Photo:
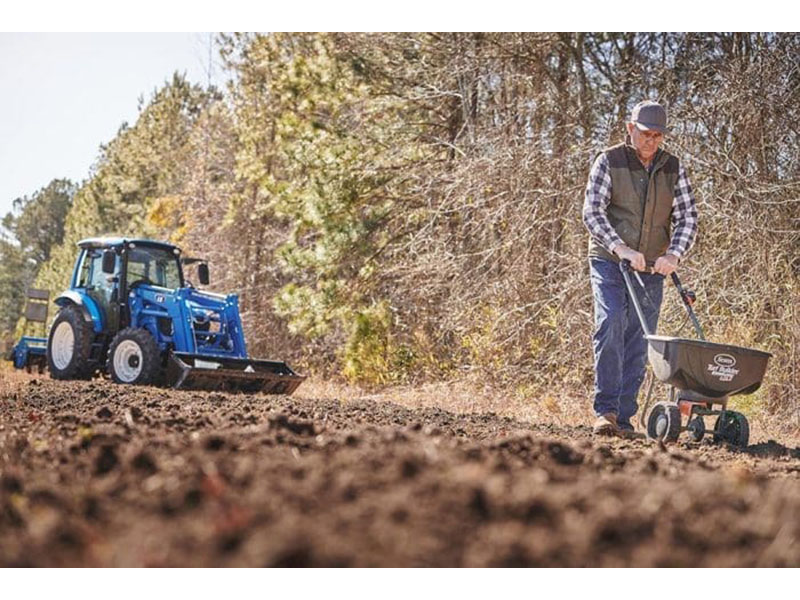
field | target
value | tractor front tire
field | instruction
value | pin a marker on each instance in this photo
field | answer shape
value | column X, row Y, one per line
column 134, row 358
column 69, row 345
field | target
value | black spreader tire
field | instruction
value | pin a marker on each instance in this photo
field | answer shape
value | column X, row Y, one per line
column 734, row 429
column 664, row 422
column 72, row 364
column 131, row 349
column 696, row 429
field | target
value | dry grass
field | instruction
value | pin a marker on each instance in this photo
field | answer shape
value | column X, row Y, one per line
column 463, row 397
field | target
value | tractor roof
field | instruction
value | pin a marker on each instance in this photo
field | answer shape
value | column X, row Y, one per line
column 113, row 242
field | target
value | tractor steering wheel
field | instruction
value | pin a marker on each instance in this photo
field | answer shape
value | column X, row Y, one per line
column 143, row 280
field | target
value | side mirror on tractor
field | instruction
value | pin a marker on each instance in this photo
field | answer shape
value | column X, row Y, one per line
column 109, row 261
column 202, row 273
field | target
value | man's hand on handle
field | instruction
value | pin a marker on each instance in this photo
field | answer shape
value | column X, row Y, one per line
column 636, row 258
column 666, row 264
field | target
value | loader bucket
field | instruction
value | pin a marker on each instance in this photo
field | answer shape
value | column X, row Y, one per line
column 203, row 372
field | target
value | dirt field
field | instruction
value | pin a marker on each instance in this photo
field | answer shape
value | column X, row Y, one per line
column 94, row 474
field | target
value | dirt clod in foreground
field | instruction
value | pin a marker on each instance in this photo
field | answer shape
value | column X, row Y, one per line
column 94, row 474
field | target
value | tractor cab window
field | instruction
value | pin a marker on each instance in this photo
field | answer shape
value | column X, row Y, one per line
column 83, row 274
column 91, row 272
column 97, row 278
column 154, row 266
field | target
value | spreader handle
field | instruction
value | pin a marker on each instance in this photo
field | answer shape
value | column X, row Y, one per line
column 688, row 300
column 625, row 267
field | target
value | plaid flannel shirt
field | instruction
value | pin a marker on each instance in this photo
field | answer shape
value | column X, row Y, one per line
column 598, row 196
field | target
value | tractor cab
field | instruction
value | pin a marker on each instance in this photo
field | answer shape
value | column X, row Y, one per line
column 108, row 269
column 151, row 265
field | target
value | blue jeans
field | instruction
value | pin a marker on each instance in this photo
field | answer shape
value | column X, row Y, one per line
column 620, row 350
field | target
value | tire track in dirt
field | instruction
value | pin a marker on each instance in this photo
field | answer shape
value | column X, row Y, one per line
column 94, row 474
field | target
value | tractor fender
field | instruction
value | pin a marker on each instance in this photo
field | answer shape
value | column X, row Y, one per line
column 89, row 309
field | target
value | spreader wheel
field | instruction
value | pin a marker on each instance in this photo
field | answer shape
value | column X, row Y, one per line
column 664, row 422
column 696, row 429
column 732, row 427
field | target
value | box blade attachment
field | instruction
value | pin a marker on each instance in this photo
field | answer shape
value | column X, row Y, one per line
column 203, row 372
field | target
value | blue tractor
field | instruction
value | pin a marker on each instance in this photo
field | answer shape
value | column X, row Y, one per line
column 130, row 313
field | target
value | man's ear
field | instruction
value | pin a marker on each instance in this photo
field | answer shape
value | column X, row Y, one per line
column 629, row 127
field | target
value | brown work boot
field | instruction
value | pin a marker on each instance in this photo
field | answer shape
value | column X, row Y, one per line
column 605, row 425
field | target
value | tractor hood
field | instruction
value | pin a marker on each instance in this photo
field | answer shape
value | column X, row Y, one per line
column 191, row 321
column 207, row 344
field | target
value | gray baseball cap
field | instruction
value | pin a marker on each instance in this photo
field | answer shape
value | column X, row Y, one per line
column 649, row 115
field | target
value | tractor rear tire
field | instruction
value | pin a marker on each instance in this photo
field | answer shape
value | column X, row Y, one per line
column 69, row 345
column 664, row 422
column 134, row 357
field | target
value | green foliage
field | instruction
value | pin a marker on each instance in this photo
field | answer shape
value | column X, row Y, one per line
column 15, row 274
column 312, row 156
column 368, row 353
column 312, row 309
column 36, row 226
column 141, row 166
